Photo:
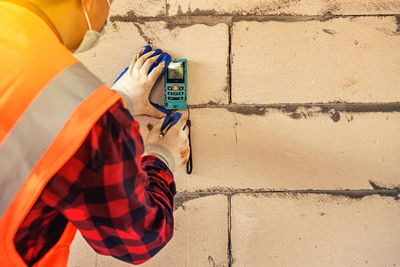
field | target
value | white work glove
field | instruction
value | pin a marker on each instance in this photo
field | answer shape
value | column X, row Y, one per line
column 135, row 85
column 173, row 147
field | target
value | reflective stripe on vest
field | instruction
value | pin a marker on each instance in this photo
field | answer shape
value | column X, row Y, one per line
column 39, row 125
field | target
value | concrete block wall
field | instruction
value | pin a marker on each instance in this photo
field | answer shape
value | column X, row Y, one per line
column 295, row 107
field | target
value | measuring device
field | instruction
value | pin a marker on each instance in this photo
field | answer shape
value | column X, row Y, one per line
column 175, row 98
column 175, row 89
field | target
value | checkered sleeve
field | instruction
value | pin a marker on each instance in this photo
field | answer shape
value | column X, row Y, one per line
column 121, row 202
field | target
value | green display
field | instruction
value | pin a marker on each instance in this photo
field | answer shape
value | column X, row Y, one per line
column 176, row 71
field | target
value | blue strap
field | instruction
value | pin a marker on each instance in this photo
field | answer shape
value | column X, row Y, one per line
column 164, row 57
column 173, row 117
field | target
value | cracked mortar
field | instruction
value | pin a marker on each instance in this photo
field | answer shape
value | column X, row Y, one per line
column 147, row 39
column 183, row 197
column 208, row 18
column 278, row 8
column 304, row 111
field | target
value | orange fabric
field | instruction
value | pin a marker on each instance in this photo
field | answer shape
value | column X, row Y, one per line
column 22, row 63
column 58, row 256
column 23, row 81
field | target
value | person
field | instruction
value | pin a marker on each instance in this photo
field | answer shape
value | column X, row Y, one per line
column 71, row 154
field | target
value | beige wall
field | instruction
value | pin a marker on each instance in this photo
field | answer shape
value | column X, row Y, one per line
column 295, row 107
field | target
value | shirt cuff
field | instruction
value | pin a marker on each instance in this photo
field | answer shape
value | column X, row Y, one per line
column 162, row 153
column 127, row 100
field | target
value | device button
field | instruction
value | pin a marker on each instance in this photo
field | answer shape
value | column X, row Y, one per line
column 175, row 98
column 180, row 93
column 169, row 87
column 175, row 87
column 169, row 93
column 181, row 88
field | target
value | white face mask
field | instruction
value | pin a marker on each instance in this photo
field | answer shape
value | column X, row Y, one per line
column 92, row 38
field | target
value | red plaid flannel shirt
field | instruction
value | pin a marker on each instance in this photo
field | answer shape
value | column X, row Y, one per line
column 122, row 203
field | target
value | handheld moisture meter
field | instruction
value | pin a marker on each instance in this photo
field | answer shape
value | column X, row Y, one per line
column 175, row 92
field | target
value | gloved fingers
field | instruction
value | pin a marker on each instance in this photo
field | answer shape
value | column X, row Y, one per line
column 180, row 125
column 165, row 60
column 185, row 153
column 157, row 127
column 145, row 49
column 185, row 131
column 149, row 62
column 186, row 143
column 159, row 59
column 153, row 76
column 141, row 51
column 141, row 60
column 156, row 52
column 133, row 63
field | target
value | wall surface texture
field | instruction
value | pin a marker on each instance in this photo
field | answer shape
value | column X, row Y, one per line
column 295, row 107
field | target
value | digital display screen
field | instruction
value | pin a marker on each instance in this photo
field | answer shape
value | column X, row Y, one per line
column 176, row 72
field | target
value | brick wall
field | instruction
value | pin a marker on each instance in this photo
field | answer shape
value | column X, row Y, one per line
column 296, row 128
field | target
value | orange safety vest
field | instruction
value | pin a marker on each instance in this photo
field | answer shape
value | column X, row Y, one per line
column 49, row 102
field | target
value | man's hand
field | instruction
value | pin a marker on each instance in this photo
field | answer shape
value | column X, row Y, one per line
column 173, row 147
column 135, row 85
